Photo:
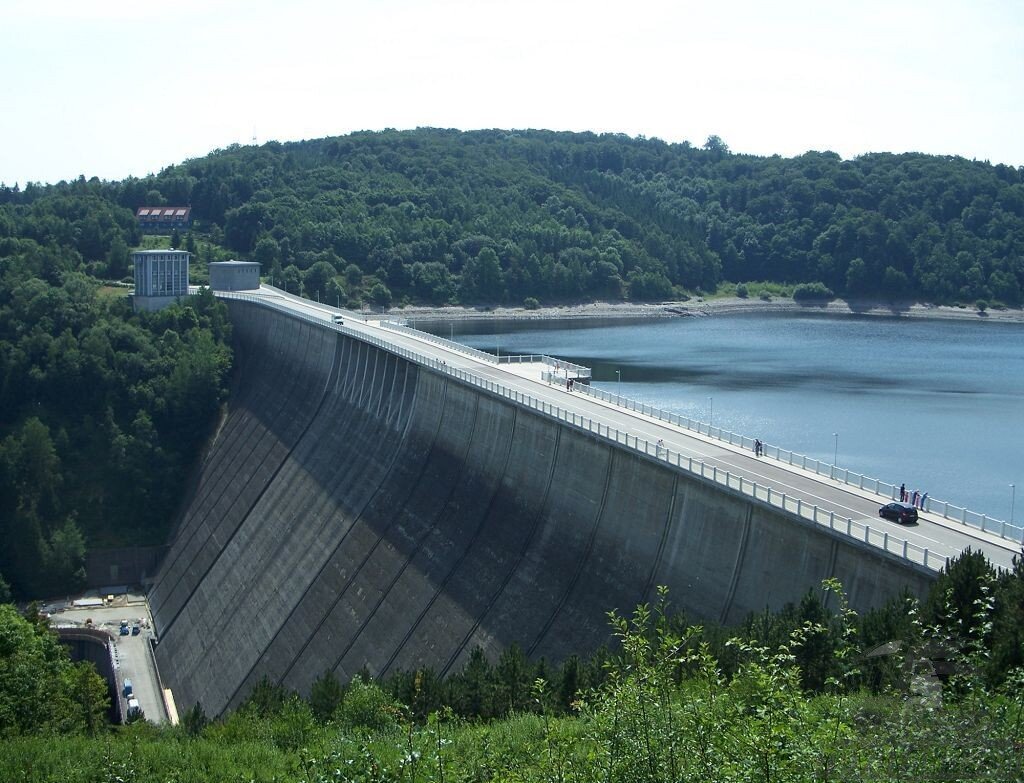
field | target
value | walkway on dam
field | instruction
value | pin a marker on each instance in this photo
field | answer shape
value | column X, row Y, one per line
column 942, row 537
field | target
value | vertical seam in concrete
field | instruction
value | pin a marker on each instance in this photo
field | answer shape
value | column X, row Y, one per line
column 362, row 386
column 740, row 553
column 515, row 566
column 391, row 372
column 664, row 539
column 222, row 548
column 465, row 552
column 583, row 559
column 380, row 367
column 329, row 559
column 826, row 597
column 412, row 555
column 312, row 582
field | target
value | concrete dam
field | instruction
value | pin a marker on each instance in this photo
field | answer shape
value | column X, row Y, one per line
column 358, row 508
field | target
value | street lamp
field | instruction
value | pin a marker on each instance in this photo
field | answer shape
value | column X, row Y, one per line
column 835, row 454
column 1013, row 497
column 618, row 384
column 711, row 413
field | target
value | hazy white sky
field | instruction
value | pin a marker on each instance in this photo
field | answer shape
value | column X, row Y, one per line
column 112, row 88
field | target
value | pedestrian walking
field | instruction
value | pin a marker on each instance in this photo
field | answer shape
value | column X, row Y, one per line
column 903, row 493
column 658, row 447
column 916, row 496
column 924, row 497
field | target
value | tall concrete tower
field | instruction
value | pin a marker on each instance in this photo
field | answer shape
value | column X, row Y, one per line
column 161, row 277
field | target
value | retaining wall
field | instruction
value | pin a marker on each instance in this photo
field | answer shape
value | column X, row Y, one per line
column 360, row 510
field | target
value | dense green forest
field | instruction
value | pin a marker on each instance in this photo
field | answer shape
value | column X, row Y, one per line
column 104, row 413
column 914, row 691
column 99, row 401
column 437, row 216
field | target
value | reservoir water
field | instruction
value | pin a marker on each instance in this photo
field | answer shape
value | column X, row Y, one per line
column 936, row 404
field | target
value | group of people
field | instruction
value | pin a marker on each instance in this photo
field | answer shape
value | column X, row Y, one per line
column 915, row 498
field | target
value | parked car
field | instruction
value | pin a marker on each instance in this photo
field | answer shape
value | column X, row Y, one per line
column 135, row 630
column 900, row 512
column 129, row 692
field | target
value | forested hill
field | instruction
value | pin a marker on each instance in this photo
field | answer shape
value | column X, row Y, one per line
column 487, row 216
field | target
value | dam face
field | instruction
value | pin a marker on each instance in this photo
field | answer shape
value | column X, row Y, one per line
column 358, row 509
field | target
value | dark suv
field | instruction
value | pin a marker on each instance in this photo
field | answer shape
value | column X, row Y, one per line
column 901, row 512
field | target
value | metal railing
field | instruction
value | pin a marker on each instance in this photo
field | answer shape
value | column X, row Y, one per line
column 561, row 368
column 963, row 516
column 398, row 326
column 857, row 532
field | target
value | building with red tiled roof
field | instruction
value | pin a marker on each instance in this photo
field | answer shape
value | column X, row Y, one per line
column 163, row 219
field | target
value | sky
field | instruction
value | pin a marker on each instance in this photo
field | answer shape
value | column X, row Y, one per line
column 114, row 88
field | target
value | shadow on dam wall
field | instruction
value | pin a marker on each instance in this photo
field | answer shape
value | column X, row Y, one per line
column 360, row 510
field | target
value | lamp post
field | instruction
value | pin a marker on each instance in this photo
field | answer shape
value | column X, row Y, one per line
column 618, row 384
column 835, row 454
column 1013, row 498
column 711, row 413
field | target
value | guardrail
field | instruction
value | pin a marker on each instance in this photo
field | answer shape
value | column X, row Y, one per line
column 567, row 369
column 963, row 516
column 858, row 532
column 396, row 326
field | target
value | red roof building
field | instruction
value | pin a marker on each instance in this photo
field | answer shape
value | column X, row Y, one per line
column 163, row 218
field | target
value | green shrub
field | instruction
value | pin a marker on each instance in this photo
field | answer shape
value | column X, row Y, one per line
column 741, row 291
column 531, row 303
column 982, row 305
column 367, row 706
column 812, row 292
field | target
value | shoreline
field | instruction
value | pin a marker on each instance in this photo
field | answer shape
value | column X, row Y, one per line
column 700, row 308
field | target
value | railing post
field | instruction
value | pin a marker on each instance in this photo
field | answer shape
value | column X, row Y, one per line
column 885, row 540
column 867, row 534
column 926, row 557
column 904, row 549
column 849, row 527
column 799, row 506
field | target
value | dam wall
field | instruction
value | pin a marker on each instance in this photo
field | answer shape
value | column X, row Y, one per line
column 360, row 509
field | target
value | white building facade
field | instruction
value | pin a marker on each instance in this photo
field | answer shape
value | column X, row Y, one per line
column 161, row 277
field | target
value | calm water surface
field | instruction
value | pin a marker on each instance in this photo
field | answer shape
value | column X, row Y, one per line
column 936, row 404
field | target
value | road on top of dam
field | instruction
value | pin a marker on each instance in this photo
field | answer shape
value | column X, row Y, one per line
column 942, row 537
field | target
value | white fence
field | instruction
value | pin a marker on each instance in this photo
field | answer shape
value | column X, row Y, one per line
column 940, row 508
column 762, row 494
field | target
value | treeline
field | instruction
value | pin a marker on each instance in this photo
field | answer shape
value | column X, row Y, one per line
column 929, row 690
column 104, row 409
column 438, row 216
